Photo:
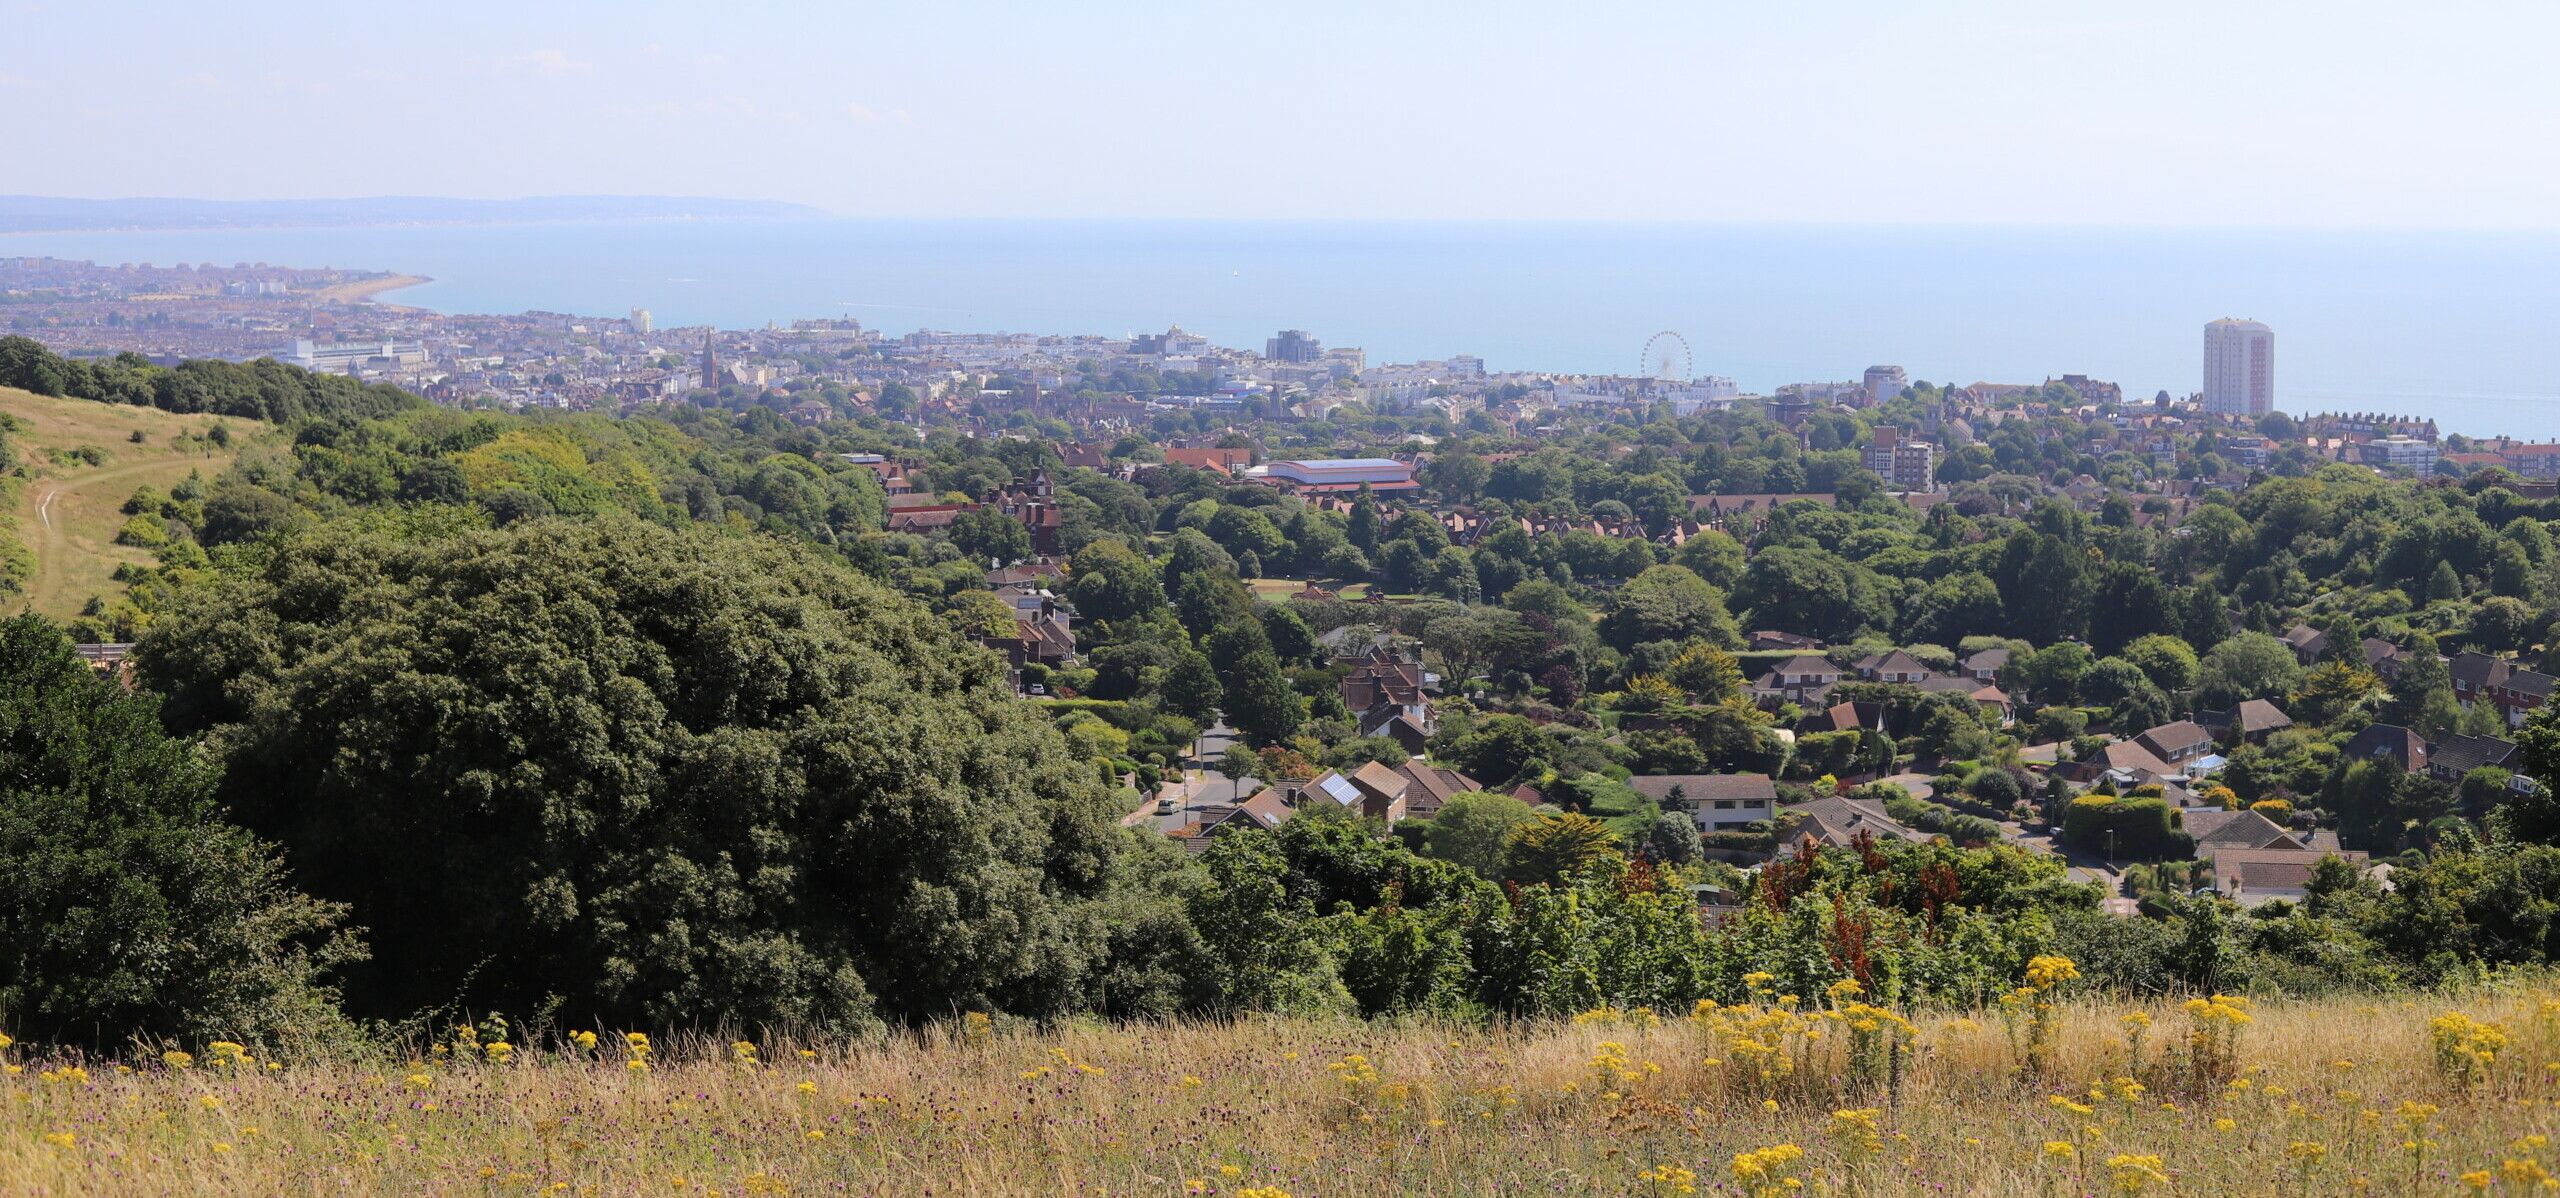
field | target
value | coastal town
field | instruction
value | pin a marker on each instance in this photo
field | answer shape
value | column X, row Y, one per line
column 1474, row 487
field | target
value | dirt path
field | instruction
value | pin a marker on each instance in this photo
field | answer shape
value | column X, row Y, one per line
column 54, row 542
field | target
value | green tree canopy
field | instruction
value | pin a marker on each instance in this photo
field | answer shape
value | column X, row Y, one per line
column 667, row 777
column 130, row 906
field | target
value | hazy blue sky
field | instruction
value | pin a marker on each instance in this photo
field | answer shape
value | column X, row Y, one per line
column 2231, row 111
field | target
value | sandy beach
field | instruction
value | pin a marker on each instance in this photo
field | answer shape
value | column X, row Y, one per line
column 365, row 291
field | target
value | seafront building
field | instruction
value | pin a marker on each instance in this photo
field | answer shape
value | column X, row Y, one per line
column 2239, row 368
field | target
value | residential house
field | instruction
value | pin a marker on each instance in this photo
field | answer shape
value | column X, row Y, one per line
column 1993, row 700
column 2177, row 743
column 1373, row 790
column 2215, row 829
column 1801, row 680
column 1894, row 666
column 1986, row 665
column 2307, row 643
column 2127, row 761
column 1719, row 802
column 2383, row 658
column 1428, row 787
column 2403, row 747
column 1775, row 642
column 2252, row 877
column 2253, row 721
column 1838, row 820
column 1845, row 717
column 2461, row 753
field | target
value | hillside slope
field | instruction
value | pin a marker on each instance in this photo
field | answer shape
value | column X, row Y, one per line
column 67, row 510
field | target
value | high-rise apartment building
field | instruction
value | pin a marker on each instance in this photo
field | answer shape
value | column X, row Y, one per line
column 2239, row 368
column 1293, row 345
column 642, row 323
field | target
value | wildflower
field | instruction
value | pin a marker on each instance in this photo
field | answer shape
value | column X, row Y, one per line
column 499, row 1051
column 2061, row 1150
column 222, row 1148
column 210, row 1103
column 816, row 1134
column 1670, row 1179
column 807, row 1087
column 1262, row 1192
column 1230, row 1171
column 744, row 1051
column 2465, row 1047
column 586, row 1041
column 2479, row 1180
column 1763, row 1173
column 1195, row 1185
column 60, row 1139
column 2225, row 1124
column 2045, row 973
column 419, row 1081
column 1189, row 1082
column 1857, row 1133
column 2527, row 1172
column 2134, row 1174
column 2306, row 1151
column 176, row 1060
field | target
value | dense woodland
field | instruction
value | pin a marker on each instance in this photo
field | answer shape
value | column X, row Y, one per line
column 644, row 722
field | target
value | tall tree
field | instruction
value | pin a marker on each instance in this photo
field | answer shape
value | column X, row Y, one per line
column 1260, row 702
column 1364, row 521
column 130, row 905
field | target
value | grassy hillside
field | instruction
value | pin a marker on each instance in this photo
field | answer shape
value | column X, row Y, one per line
column 2380, row 1096
column 66, row 511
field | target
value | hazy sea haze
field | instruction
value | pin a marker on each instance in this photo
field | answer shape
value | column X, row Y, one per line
column 2453, row 325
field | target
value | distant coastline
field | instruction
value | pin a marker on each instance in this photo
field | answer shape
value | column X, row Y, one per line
column 20, row 215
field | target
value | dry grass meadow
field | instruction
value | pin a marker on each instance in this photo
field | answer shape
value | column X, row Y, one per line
column 1822, row 1096
column 68, row 511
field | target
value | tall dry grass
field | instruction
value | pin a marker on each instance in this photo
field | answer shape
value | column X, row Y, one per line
column 1613, row 1104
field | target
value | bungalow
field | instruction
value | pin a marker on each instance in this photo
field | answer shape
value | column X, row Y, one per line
column 2216, row 830
column 1986, row 665
column 1837, row 820
column 1719, row 802
column 2252, row 878
column 2253, row 720
column 2128, row 760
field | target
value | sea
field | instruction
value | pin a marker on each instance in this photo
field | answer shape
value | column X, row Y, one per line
column 2457, row 326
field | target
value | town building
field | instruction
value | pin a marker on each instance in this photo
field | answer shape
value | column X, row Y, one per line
column 2239, row 368
column 1885, row 382
column 1905, row 465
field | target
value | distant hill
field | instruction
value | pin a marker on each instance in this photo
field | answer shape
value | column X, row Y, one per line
column 43, row 214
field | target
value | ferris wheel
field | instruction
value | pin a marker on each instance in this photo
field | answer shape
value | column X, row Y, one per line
column 1666, row 357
